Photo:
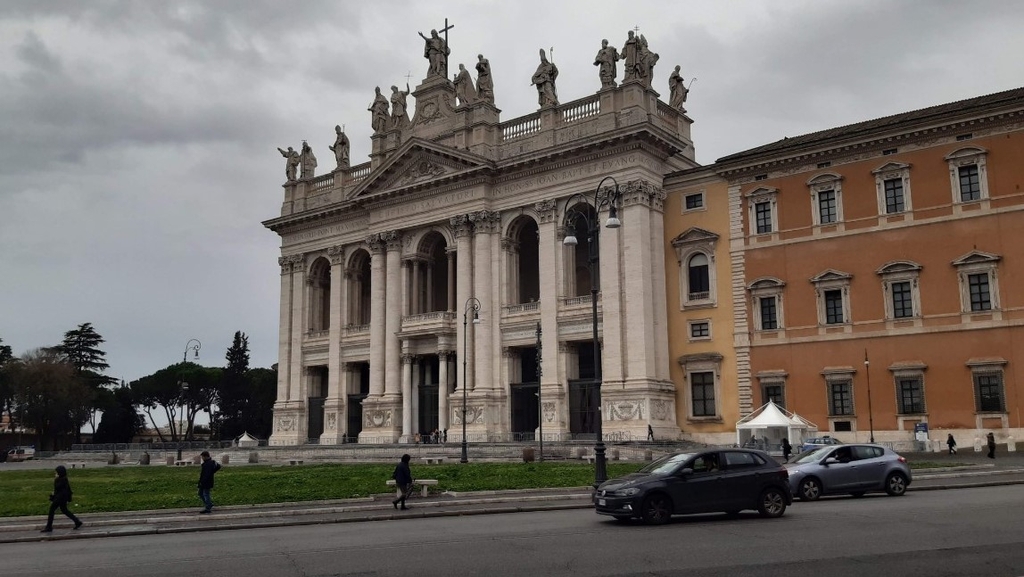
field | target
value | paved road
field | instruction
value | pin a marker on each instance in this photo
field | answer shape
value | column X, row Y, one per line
column 978, row 532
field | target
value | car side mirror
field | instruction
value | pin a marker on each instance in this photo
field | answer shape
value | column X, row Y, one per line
column 830, row 461
column 685, row 472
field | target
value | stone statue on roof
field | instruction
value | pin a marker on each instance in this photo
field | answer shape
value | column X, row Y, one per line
column 378, row 112
column 399, row 117
column 544, row 80
column 677, row 90
column 291, row 162
column 340, row 147
column 631, row 58
column 436, row 51
column 307, row 161
column 484, row 83
column 606, row 58
column 464, row 86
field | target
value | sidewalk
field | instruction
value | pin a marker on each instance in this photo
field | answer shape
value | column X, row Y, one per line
column 979, row 472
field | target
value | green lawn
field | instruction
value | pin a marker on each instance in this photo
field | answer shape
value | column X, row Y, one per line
column 160, row 487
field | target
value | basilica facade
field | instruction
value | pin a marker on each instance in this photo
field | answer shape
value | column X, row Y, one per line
column 432, row 288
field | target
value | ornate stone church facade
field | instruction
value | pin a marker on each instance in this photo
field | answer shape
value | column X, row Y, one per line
column 432, row 284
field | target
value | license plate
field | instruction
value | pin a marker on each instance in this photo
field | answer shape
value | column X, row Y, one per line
column 600, row 503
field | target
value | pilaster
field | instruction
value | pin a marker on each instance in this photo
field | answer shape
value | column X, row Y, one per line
column 378, row 306
column 406, row 397
column 443, row 388
column 464, row 286
column 393, row 313
column 335, row 401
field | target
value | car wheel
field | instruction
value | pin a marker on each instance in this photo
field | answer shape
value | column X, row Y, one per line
column 896, row 484
column 772, row 503
column 656, row 509
column 810, row 489
column 857, row 494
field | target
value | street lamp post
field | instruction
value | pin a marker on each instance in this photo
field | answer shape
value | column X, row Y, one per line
column 192, row 345
column 593, row 231
column 867, row 374
column 472, row 304
column 540, row 403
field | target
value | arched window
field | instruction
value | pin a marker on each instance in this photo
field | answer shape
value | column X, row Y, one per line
column 358, row 276
column 522, row 251
column 698, row 277
column 578, row 277
column 320, row 295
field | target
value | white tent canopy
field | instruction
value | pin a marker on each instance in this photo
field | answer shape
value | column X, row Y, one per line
column 768, row 425
column 247, row 440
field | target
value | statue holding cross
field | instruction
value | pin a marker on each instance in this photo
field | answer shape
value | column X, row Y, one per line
column 436, row 51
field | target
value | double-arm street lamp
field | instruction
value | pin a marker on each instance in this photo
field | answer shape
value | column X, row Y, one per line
column 472, row 304
column 871, row 416
column 192, row 345
column 612, row 199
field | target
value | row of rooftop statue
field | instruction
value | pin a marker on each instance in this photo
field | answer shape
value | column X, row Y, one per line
column 638, row 66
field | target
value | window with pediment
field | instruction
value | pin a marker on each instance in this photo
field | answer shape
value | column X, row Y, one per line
column 892, row 185
column 968, row 174
column 987, row 377
column 766, row 303
column 978, row 281
column 826, row 198
column 763, row 211
column 832, row 289
column 703, row 383
column 901, row 289
column 695, row 250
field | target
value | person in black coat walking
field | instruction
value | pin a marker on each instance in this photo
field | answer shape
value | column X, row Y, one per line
column 787, row 449
column 991, row 446
column 206, row 480
column 951, row 443
column 60, row 498
column 403, row 479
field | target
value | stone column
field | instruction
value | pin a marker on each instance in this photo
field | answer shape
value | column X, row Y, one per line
column 407, row 280
column 550, row 249
column 451, row 279
column 463, row 227
column 393, row 312
column 406, row 396
column 429, row 280
column 442, row 389
column 334, row 403
column 378, row 294
column 414, row 396
column 284, row 349
column 298, row 317
column 484, row 225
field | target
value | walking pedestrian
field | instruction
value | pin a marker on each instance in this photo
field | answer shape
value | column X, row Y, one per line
column 403, row 479
column 206, row 473
column 787, row 449
column 951, row 443
column 991, row 446
column 650, row 433
column 60, row 498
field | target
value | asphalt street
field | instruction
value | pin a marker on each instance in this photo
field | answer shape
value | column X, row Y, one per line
column 978, row 532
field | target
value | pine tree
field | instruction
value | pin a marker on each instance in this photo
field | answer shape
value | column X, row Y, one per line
column 81, row 349
column 6, row 388
column 233, row 395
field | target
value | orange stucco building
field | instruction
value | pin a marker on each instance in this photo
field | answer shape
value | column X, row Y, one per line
column 866, row 277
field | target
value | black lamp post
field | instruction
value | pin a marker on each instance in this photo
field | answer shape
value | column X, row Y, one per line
column 472, row 304
column 593, row 231
column 867, row 374
column 192, row 345
column 540, row 403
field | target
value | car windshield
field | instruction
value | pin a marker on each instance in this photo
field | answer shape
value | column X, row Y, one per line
column 667, row 464
column 812, row 455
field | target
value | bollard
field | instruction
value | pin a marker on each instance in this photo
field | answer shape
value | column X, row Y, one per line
column 254, row 457
column 169, row 461
column 144, row 459
column 528, row 455
column 225, row 459
column 1011, row 445
column 977, row 444
column 615, row 454
column 938, row 446
column 648, row 456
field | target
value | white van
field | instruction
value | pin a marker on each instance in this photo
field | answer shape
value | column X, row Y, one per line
column 20, row 454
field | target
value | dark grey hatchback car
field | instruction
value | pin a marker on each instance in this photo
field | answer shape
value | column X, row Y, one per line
column 709, row 481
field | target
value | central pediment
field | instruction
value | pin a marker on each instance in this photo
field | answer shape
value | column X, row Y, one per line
column 416, row 164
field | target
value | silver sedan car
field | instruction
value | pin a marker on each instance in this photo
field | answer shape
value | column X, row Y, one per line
column 850, row 469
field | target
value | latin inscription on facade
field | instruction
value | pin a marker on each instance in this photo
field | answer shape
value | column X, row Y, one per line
column 423, row 206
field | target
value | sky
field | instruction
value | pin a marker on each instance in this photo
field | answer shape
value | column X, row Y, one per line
column 138, row 139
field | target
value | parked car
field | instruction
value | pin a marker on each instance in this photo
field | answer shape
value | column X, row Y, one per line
column 853, row 469
column 718, row 480
column 20, row 454
column 816, row 442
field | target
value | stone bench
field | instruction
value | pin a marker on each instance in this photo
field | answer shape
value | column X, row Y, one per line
column 589, row 458
column 424, row 483
column 433, row 460
column 77, row 465
column 183, row 462
column 294, row 461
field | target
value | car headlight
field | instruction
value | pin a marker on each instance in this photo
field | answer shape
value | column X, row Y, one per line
column 627, row 492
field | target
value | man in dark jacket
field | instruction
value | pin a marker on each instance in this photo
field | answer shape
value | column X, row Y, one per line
column 403, row 479
column 60, row 498
column 206, row 480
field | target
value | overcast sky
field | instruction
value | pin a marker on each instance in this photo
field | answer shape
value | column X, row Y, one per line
column 139, row 137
